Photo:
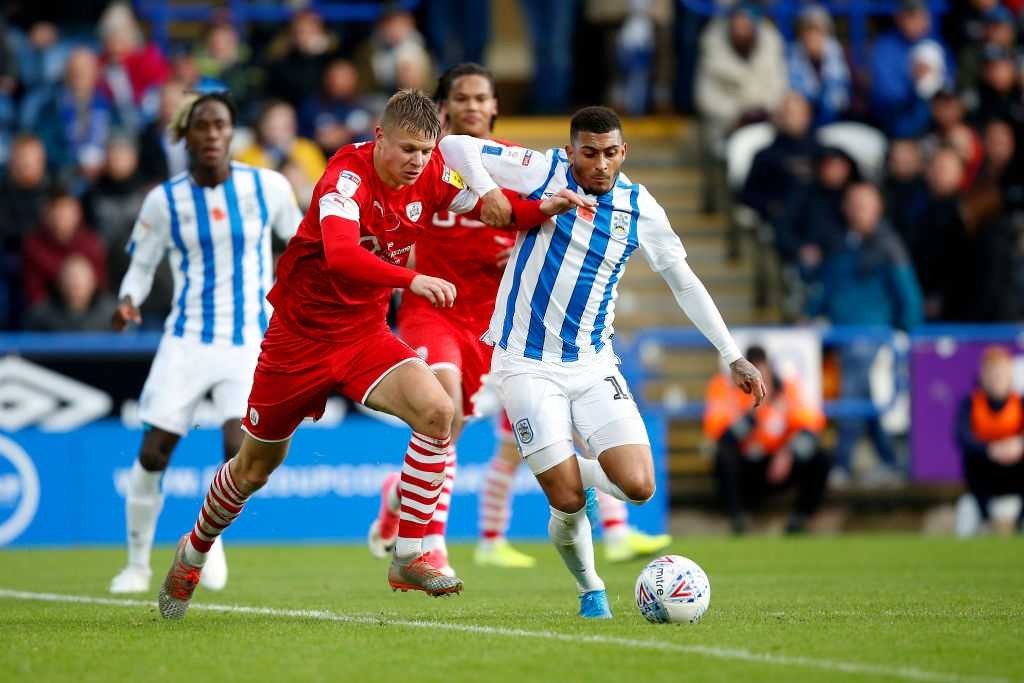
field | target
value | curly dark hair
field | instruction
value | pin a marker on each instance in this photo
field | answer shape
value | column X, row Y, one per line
column 595, row 119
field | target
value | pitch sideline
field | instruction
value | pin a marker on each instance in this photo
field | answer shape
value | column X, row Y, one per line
column 909, row 673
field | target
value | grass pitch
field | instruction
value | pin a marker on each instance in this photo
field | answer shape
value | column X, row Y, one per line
column 858, row 608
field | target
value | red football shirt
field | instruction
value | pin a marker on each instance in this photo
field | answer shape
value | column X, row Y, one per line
column 464, row 252
column 307, row 296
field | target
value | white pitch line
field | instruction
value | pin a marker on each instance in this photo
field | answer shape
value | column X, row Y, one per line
column 719, row 653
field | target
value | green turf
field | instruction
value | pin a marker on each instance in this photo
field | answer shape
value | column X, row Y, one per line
column 868, row 608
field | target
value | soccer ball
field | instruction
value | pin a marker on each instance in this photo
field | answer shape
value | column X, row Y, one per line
column 673, row 590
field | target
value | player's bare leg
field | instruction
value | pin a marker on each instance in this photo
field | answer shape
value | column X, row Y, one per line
column 412, row 393
column 232, row 486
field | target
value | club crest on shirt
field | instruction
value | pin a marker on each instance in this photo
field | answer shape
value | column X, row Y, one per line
column 254, row 417
column 524, row 431
column 620, row 225
column 348, row 183
column 413, row 210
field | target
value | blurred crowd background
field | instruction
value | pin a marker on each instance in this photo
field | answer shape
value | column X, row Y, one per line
column 86, row 90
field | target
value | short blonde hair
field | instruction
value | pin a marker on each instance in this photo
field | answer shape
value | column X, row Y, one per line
column 412, row 110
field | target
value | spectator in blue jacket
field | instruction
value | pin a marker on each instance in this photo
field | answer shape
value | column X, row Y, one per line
column 908, row 66
column 817, row 66
column 75, row 122
column 868, row 280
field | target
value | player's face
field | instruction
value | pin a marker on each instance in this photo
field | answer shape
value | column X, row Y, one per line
column 470, row 107
column 401, row 156
column 595, row 160
column 208, row 137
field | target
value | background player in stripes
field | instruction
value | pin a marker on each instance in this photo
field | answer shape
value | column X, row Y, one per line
column 329, row 332
column 553, row 365
column 214, row 223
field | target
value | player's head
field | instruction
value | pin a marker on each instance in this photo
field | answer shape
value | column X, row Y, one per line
column 996, row 375
column 406, row 137
column 206, row 121
column 467, row 96
column 596, row 149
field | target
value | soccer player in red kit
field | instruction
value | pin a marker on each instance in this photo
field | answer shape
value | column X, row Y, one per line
column 329, row 332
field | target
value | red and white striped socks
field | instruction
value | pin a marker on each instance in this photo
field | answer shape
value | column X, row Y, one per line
column 614, row 517
column 222, row 506
column 423, row 475
column 496, row 500
column 433, row 537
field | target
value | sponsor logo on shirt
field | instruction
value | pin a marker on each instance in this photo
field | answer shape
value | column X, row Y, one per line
column 526, row 157
column 491, row 149
column 348, row 183
column 413, row 210
column 620, row 225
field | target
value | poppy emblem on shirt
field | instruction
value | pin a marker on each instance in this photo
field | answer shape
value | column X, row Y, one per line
column 218, row 214
column 524, row 431
column 413, row 210
column 620, row 225
column 585, row 213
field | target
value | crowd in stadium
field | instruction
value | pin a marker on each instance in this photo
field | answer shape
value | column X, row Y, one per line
column 83, row 107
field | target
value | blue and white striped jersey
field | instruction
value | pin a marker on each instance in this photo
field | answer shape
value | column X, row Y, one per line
column 219, row 246
column 557, row 297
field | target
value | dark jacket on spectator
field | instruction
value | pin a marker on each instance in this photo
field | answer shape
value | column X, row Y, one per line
column 778, row 170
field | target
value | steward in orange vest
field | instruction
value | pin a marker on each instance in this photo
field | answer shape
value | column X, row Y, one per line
column 765, row 451
column 990, row 432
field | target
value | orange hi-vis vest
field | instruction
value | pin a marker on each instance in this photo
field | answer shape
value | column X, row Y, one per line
column 790, row 411
column 989, row 425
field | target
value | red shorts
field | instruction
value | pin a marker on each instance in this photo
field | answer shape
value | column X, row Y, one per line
column 442, row 341
column 295, row 375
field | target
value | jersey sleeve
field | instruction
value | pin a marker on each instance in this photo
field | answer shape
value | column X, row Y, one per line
column 659, row 244
column 151, row 233
column 284, row 213
column 344, row 198
column 462, row 199
column 514, row 168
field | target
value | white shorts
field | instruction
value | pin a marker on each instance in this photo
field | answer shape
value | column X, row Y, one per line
column 184, row 371
column 547, row 401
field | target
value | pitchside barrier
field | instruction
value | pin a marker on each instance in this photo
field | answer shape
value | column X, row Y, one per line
column 69, row 435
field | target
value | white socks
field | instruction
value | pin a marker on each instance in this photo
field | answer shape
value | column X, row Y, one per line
column 142, row 506
column 570, row 532
column 594, row 477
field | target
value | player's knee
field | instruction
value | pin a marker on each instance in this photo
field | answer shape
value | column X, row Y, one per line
column 436, row 418
column 567, row 500
column 639, row 488
column 154, row 458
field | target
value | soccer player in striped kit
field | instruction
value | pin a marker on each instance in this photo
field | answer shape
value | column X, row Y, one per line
column 553, row 365
column 449, row 341
column 329, row 332
column 214, row 223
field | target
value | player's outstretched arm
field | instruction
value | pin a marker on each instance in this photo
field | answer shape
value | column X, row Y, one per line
column 564, row 201
column 748, row 378
column 439, row 292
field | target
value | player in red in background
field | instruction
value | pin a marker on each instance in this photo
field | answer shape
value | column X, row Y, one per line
column 329, row 332
column 449, row 341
